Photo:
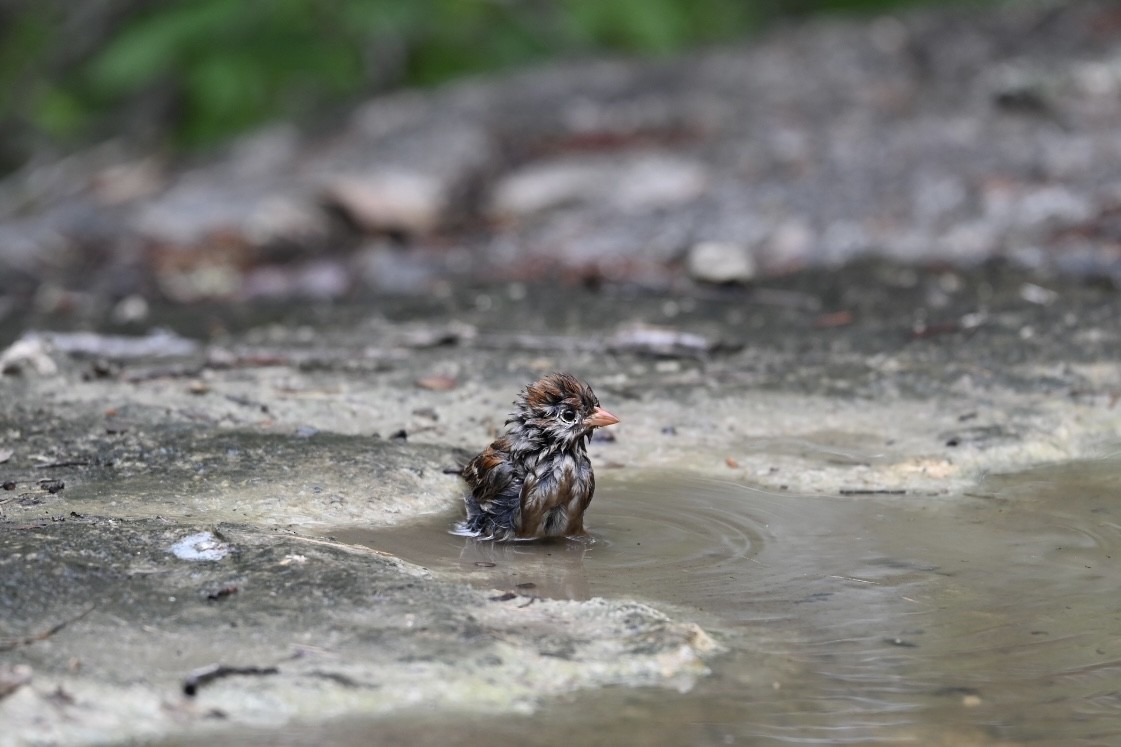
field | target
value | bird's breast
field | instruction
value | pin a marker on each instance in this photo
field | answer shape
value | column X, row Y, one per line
column 560, row 483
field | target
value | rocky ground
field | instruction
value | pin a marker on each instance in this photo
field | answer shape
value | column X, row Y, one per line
column 168, row 500
column 173, row 464
column 950, row 135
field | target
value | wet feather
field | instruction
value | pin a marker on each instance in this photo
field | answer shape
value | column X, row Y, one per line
column 537, row 481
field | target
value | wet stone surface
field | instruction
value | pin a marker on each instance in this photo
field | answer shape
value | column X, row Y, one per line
column 128, row 638
column 167, row 513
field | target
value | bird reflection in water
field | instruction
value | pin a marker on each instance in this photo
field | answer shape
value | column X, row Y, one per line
column 552, row 568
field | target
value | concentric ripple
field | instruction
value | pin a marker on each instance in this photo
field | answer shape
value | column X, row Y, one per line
column 643, row 536
column 985, row 619
column 651, row 538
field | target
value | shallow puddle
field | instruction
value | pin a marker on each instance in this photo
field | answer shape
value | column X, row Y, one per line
column 988, row 619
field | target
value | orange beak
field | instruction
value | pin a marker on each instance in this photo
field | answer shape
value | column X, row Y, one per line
column 599, row 418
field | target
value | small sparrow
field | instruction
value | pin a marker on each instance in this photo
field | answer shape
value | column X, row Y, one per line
column 537, row 481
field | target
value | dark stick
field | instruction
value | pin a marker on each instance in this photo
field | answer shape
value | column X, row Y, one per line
column 208, row 674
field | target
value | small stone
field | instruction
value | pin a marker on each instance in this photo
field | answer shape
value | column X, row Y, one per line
column 657, row 340
column 130, row 310
column 631, row 183
column 720, row 262
column 391, row 200
column 1037, row 294
column 29, row 353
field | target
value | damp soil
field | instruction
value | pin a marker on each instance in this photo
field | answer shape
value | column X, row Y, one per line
column 990, row 618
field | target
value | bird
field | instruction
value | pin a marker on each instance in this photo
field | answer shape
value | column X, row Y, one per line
column 536, row 481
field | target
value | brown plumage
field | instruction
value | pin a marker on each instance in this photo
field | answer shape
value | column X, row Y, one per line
column 537, row 481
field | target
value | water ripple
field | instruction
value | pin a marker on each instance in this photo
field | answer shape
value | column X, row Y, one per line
column 990, row 618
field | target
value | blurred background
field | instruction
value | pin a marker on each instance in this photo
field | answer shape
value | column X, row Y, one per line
column 191, row 73
column 234, row 150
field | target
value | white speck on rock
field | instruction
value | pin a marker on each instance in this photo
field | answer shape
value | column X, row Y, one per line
column 200, row 546
column 29, row 353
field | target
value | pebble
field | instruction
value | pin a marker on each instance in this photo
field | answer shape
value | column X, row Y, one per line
column 30, row 353
column 720, row 262
column 409, row 202
column 631, row 183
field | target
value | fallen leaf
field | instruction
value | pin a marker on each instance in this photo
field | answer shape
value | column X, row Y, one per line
column 835, row 319
column 437, row 383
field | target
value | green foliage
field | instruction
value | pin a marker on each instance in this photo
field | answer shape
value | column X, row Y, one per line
column 23, row 41
column 658, row 25
column 230, row 63
column 58, row 112
column 227, row 65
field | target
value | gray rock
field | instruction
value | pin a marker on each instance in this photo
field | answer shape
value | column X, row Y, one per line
column 411, row 180
column 720, row 262
column 305, row 629
column 630, row 183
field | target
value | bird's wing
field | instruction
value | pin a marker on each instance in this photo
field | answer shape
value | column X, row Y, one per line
column 496, row 487
column 489, row 474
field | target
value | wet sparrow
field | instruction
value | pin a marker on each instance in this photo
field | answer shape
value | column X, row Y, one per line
column 537, row 481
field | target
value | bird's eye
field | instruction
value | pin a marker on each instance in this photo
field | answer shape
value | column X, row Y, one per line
column 568, row 417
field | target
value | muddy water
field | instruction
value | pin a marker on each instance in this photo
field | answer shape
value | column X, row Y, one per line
column 992, row 618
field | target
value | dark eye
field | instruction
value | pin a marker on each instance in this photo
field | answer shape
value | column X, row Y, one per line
column 568, row 417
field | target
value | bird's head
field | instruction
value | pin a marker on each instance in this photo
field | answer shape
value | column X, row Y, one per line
column 561, row 409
